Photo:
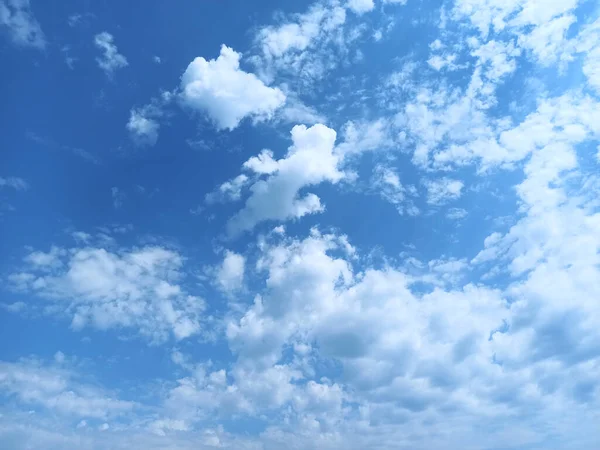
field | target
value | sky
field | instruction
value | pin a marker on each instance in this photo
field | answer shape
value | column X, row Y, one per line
column 321, row 224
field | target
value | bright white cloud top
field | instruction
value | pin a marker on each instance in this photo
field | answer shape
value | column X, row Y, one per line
column 226, row 93
column 376, row 225
column 309, row 161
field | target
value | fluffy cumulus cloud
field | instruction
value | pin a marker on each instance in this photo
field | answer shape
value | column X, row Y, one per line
column 18, row 21
column 311, row 160
column 137, row 289
column 144, row 122
column 227, row 94
column 110, row 60
column 458, row 356
column 361, row 6
column 143, row 129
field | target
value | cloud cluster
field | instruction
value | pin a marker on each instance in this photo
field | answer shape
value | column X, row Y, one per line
column 56, row 387
column 306, row 45
column 454, row 356
column 137, row 289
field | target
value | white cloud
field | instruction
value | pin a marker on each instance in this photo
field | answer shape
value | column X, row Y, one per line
column 454, row 357
column 361, row 6
column 591, row 68
column 447, row 61
column 453, row 125
column 452, row 128
column 500, row 14
column 309, row 161
column 58, row 390
column 539, row 25
column 226, row 93
column 22, row 27
column 548, row 41
column 386, row 183
column 436, row 45
column 59, row 357
column 389, row 182
column 296, row 112
column 443, row 190
column 263, row 163
column 16, row 183
column 437, row 116
column 306, row 45
column 228, row 191
column 78, row 19
column 456, row 213
column 549, row 135
column 407, row 356
column 162, row 426
column 230, row 275
column 552, row 254
column 497, row 58
column 46, row 261
column 302, row 32
column 129, row 288
column 111, row 59
column 143, row 124
column 144, row 130
column 364, row 320
column 588, row 43
column 362, row 136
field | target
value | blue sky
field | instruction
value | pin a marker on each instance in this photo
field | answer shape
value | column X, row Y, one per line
column 315, row 224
